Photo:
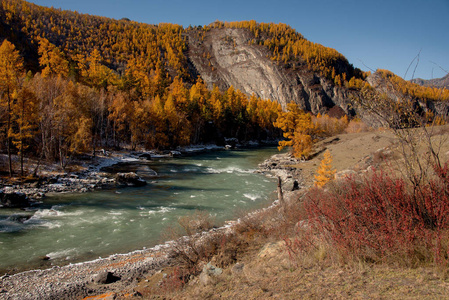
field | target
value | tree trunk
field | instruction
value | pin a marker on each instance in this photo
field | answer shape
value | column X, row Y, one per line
column 21, row 139
column 7, row 134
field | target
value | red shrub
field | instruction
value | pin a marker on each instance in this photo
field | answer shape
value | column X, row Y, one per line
column 379, row 217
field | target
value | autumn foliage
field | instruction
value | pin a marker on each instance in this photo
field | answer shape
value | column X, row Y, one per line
column 414, row 90
column 325, row 172
column 298, row 130
column 301, row 130
column 96, row 82
column 380, row 219
column 291, row 48
column 69, row 117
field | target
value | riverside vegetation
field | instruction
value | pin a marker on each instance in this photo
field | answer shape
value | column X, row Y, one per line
column 378, row 230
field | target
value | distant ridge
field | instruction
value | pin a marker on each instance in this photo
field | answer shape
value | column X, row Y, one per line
column 442, row 82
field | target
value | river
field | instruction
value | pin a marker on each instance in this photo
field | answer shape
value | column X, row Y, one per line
column 69, row 228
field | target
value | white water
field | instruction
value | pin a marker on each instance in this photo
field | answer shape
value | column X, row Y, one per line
column 69, row 228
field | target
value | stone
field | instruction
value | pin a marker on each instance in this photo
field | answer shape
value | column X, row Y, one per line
column 295, row 185
column 14, row 200
column 146, row 156
column 129, row 179
column 52, row 180
column 209, row 271
column 271, row 250
column 105, row 278
column 248, row 68
column 175, row 153
column 107, row 296
column 20, row 218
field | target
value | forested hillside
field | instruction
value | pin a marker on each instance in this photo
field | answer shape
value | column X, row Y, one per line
column 72, row 83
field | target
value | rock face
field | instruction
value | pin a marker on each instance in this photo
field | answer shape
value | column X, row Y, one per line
column 227, row 57
column 129, row 179
column 235, row 61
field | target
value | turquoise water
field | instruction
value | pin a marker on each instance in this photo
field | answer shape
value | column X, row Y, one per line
column 75, row 227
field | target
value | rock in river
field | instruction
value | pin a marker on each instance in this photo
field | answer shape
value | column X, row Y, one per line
column 129, row 179
column 14, row 200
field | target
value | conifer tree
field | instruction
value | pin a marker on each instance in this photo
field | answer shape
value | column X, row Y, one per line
column 25, row 117
column 325, row 172
column 52, row 60
column 298, row 129
column 11, row 69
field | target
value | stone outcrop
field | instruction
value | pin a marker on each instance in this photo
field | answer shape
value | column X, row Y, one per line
column 228, row 57
column 379, row 83
column 208, row 273
column 235, row 61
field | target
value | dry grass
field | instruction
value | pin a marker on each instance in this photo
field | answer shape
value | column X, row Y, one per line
column 270, row 273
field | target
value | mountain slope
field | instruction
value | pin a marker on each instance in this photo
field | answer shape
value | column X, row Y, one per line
column 272, row 61
column 264, row 59
column 234, row 61
column 442, row 82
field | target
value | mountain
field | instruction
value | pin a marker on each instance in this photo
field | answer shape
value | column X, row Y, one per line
column 442, row 82
column 236, row 61
column 271, row 61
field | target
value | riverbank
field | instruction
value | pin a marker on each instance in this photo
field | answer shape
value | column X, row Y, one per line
column 88, row 173
column 126, row 272
column 254, row 262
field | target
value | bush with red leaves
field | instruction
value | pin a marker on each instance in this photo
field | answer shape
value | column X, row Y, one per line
column 379, row 219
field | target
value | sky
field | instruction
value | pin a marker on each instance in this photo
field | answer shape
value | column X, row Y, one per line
column 407, row 37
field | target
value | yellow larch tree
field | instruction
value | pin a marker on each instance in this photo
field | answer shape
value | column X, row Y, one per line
column 298, row 129
column 11, row 72
column 25, row 118
column 325, row 172
column 52, row 60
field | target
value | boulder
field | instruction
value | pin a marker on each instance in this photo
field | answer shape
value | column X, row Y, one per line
column 174, row 153
column 129, row 179
column 146, row 156
column 295, row 185
column 105, row 278
column 19, row 218
column 14, row 200
column 209, row 271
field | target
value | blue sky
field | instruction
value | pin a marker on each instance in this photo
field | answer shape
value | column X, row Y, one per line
column 386, row 34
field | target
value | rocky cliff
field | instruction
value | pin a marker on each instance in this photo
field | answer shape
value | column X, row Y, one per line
column 226, row 57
